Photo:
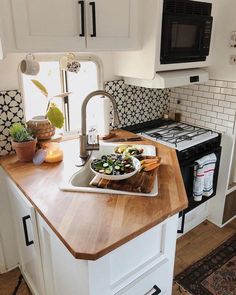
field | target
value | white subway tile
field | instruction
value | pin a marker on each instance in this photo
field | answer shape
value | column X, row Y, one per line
column 174, row 94
column 192, row 98
column 197, row 93
column 188, row 91
column 221, row 84
column 210, row 125
column 202, row 100
column 219, row 96
column 233, row 105
column 216, row 121
column 196, row 105
column 196, row 116
column 228, row 124
column 211, row 83
column 222, row 116
column 231, row 118
column 194, row 87
column 179, row 90
column 234, row 92
column 190, row 121
column 185, row 102
column 206, row 107
column 228, row 91
column 208, row 94
column 229, row 111
column 231, row 98
column 212, row 114
column 215, row 89
column 191, row 110
column 224, row 104
column 205, row 118
column 213, row 102
column 204, row 88
column 218, row 109
column 181, row 107
column 186, row 114
column 201, row 112
column 231, row 85
column 221, row 128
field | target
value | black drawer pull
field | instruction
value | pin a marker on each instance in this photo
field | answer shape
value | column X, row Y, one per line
column 154, row 289
column 93, row 4
column 82, row 19
column 27, row 242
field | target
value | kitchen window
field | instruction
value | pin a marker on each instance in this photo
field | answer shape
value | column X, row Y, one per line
column 56, row 81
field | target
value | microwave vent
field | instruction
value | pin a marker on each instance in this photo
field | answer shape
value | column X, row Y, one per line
column 187, row 7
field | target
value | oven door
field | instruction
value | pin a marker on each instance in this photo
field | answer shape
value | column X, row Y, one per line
column 185, row 38
column 187, row 169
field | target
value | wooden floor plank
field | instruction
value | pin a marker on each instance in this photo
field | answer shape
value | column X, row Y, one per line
column 199, row 242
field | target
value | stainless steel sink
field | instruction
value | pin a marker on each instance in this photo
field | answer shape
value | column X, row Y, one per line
column 78, row 179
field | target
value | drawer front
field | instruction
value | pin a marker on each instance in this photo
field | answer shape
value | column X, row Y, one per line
column 150, row 283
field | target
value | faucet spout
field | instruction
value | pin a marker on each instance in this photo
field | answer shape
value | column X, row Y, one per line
column 84, row 146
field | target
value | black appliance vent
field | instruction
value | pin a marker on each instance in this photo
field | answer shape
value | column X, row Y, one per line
column 187, row 7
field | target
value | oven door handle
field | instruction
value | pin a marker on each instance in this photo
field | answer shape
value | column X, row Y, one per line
column 181, row 230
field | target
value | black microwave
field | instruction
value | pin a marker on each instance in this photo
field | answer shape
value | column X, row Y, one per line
column 186, row 31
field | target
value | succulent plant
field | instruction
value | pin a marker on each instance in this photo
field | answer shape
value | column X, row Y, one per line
column 20, row 133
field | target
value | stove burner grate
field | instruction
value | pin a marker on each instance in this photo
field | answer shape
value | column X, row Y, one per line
column 177, row 133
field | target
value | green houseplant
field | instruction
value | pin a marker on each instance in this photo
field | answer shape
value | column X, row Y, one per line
column 44, row 126
column 23, row 142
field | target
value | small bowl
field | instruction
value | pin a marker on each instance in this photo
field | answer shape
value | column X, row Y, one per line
column 136, row 164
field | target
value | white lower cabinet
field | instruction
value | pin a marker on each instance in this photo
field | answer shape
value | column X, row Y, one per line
column 142, row 266
column 27, row 239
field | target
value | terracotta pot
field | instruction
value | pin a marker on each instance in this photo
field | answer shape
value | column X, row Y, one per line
column 24, row 150
column 41, row 127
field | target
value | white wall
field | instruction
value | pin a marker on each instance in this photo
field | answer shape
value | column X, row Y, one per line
column 225, row 23
column 9, row 67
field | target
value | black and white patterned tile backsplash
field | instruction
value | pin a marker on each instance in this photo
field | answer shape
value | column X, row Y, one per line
column 11, row 111
column 137, row 104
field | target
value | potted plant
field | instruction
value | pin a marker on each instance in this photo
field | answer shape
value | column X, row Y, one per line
column 23, row 142
column 44, row 126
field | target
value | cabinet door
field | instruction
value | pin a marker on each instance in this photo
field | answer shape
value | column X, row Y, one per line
column 48, row 25
column 27, row 240
column 112, row 24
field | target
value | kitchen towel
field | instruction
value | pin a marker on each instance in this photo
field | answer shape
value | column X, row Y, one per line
column 203, row 176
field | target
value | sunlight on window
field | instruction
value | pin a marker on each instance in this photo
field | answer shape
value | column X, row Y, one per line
column 80, row 84
column 34, row 101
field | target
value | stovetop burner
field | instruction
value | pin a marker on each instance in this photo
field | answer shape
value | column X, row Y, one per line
column 176, row 134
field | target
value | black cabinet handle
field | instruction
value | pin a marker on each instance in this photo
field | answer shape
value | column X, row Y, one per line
column 154, row 289
column 81, row 3
column 27, row 242
column 181, row 230
column 93, row 4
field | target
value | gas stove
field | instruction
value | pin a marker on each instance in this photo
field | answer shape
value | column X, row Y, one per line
column 191, row 144
column 175, row 134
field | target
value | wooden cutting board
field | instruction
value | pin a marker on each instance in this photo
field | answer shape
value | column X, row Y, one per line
column 142, row 182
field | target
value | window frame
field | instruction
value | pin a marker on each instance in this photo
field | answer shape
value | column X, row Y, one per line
column 56, row 58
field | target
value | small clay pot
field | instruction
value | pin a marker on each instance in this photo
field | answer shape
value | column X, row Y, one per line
column 41, row 127
column 24, row 150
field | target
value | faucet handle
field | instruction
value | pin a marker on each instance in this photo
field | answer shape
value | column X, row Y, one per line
column 92, row 146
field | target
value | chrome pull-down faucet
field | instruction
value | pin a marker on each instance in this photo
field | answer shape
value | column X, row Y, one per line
column 84, row 145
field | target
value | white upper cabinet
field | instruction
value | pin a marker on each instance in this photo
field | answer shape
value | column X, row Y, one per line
column 112, row 24
column 47, row 25
column 72, row 25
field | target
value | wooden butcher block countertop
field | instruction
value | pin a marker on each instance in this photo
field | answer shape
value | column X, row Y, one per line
column 90, row 224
